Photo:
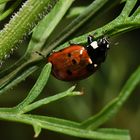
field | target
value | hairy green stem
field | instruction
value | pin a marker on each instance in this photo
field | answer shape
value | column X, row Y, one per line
column 21, row 23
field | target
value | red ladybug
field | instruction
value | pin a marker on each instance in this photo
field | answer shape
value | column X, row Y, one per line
column 77, row 62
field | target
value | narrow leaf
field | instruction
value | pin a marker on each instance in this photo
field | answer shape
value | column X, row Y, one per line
column 121, row 132
column 61, row 126
column 113, row 107
column 37, row 130
column 47, row 25
column 75, row 24
column 3, row 1
column 37, row 88
column 48, row 100
column 10, row 10
column 128, row 8
column 18, row 79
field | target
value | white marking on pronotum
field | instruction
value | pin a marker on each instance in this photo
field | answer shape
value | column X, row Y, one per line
column 107, row 46
column 95, row 65
column 94, row 44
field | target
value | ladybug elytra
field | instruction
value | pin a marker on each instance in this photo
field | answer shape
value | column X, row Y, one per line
column 77, row 62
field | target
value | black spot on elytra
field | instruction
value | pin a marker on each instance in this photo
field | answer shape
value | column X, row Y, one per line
column 69, row 54
column 61, row 50
column 90, row 67
column 69, row 72
column 74, row 61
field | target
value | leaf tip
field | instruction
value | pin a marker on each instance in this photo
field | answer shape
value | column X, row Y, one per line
column 37, row 130
column 78, row 93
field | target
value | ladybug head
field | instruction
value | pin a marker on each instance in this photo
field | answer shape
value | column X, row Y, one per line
column 97, row 50
column 103, row 44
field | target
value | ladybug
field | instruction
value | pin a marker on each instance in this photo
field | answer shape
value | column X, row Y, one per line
column 77, row 62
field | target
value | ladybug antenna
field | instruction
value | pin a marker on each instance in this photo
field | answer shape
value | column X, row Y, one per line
column 40, row 54
column 116, row 43
column 90, row 39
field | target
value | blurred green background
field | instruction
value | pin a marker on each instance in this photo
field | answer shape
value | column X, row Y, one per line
column 123, row 58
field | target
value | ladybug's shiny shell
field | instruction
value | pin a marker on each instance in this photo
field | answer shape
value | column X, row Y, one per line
column 77, row 62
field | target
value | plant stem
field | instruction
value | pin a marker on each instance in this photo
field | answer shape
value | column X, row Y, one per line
column 48, row 100
column 37, row 88
column 21, row 24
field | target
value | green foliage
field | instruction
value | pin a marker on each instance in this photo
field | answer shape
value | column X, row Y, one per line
column 21, row 24
column 3, row 1
column 10, row 10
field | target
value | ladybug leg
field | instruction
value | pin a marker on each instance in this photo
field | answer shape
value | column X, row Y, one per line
column 70, row 43
column 105, row 34
column 53, row 51
column 90, row 39
column 40, row 54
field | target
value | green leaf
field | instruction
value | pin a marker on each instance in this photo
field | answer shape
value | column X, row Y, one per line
column 61, row 126
column 114, row 106
column 121, row 24
column 115, row 131
column 47, row 25
column 17, row 80
column 16, row 29
column 137, row 12
column 6, row 78
column 37, row 130
column 117, row 26
column 48, row 100
column 10, row 10
column 73, row 129
column 40, row 34
column 90, row 11
column 4, row 1
column 128, row 8
column 76, row 11
column 2, row 6
column 37, row 88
